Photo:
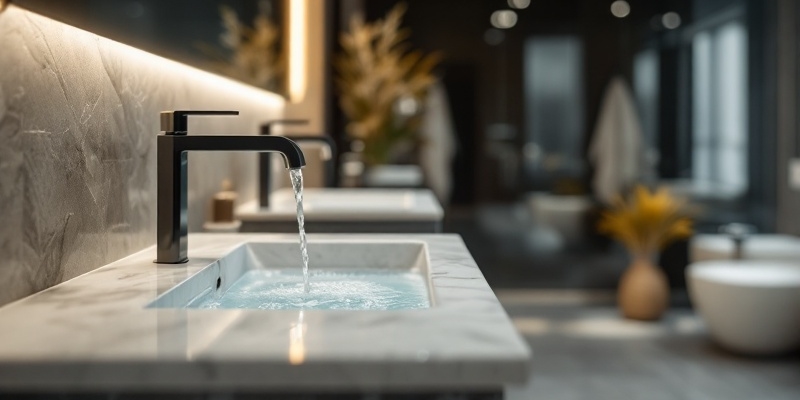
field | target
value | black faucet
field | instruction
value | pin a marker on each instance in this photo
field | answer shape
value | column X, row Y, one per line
column 172, row 145
column 738, row 233
column 264, row 159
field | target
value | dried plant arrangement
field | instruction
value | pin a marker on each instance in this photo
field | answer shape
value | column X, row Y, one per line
column 253, row 53
column 647, row 222
column 382, row 83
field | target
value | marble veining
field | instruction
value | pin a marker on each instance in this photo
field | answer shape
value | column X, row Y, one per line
column 78, row 123
column 464, row 341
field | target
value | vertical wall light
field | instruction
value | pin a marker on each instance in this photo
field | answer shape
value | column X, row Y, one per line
column 3, row 4
column 298, row 48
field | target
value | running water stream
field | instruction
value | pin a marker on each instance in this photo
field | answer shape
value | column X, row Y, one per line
column 297, row 185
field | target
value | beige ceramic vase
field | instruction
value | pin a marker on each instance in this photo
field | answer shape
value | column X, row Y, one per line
column 643, row 292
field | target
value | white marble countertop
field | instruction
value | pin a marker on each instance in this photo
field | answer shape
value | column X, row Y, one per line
column 356, row 205
column 94, row 333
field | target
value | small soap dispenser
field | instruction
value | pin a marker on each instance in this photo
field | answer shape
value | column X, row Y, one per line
column 222, row 210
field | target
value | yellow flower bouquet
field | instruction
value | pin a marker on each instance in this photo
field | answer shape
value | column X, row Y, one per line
column 647, row 222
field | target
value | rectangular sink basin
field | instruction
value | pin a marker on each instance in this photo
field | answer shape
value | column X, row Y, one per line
column 343, row 276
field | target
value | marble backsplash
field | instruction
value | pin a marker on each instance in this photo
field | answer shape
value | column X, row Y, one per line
column 78, row 125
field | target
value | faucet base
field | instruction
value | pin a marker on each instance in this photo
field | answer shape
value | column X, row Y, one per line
column 184, row 261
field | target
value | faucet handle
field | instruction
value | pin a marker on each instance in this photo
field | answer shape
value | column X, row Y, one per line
column 175, row 122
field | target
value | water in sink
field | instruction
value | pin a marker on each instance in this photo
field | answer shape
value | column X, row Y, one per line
column 331, row 290
column 347, row 274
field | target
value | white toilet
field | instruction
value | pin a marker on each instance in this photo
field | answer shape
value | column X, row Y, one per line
column 751, row 306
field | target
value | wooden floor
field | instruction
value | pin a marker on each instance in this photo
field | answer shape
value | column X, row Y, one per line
column 584, row 350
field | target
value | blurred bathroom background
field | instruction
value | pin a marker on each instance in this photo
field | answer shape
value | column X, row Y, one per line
column 686, row 94
column 528, row 90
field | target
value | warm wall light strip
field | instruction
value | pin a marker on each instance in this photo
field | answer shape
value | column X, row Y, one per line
column 297, row 49
column 3, row 4
column 191, row 75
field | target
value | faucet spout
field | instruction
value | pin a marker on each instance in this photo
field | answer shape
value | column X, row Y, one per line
column 172, row 149
column 292, row 155
column 738, row 233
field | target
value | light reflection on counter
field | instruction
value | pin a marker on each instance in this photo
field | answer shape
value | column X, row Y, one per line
column 297, row 342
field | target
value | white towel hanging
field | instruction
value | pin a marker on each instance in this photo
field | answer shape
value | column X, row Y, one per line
column 616, row 150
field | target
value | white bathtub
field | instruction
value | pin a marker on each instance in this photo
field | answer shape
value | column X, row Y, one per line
column 750, row 306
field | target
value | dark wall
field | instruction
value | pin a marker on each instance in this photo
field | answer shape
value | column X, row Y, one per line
column 767, row 179
column 705, row 8
column 487, row 81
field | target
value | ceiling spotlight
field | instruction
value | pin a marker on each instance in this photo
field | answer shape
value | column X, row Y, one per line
column 503, row 19
column 519, row 4
column 671, row 20
column 620, row 8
